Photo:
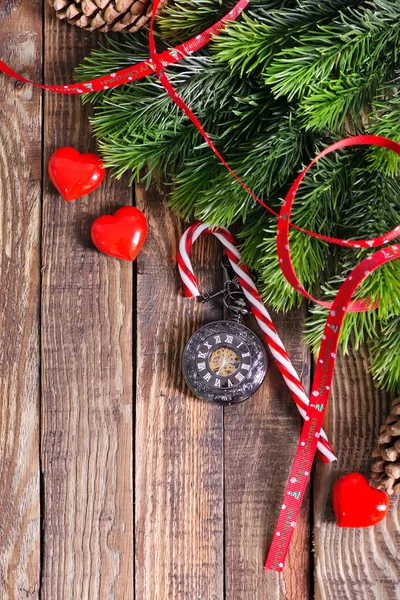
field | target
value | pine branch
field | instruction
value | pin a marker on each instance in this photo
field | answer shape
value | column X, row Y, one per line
column 386, row 357
column 272, row 155
column 339, row 101
column 337, row 61
column 183, row 19
column 133, row 116
column 354, row 42
column 335, row 72
column 385, row 121
column 250, row 44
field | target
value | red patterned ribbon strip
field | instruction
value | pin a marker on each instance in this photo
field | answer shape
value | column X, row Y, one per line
column 309, row 438
column 142, row 69
column 301, row 468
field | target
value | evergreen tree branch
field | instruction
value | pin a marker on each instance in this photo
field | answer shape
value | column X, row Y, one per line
column 250, row 44
column 332, row 65
column 386, row 357
column 385, row 121
column 356, row 40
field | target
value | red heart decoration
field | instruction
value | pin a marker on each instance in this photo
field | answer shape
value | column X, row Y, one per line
column 75, row 174
column 121, row 235
column 356, row 503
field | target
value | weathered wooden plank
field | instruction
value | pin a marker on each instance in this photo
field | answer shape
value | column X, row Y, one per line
column 261, row 437
column 179, row 439
column 86, row 365
column 354, row 563
column 20, row 210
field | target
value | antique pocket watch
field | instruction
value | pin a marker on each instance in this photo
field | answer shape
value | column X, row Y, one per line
column 224, row 362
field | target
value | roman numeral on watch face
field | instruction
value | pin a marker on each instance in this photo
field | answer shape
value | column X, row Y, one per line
column 220, row 362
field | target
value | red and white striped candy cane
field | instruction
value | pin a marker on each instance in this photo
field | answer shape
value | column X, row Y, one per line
column 258, row 308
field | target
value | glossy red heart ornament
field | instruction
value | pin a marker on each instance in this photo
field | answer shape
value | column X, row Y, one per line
column 75, row 174
column 121, row 235
column 356, row 503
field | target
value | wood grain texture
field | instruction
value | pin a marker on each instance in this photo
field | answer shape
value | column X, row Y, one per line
column 20, row 210
column 87, row 379
column 208, row 482
column 261, row 437
column 354, row 563
column 179, row 439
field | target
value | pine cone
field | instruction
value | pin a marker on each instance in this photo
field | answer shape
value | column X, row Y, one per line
column 106, row 15
column 386, row 464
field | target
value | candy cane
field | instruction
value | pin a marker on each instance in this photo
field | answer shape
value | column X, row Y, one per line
column 258, row 308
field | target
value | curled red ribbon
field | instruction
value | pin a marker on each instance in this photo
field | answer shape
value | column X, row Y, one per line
column 343, row 302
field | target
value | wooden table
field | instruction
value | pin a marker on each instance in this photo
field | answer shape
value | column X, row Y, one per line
column 116, row 483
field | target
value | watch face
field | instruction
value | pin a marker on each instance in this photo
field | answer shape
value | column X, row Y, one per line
column 224, row 362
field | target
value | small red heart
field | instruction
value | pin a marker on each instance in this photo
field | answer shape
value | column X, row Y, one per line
column 75, row 174
column 121, row 235
column 356, row 503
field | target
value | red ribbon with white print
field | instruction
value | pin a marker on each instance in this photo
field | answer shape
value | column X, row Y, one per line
column 310, row 435
column 142, row 69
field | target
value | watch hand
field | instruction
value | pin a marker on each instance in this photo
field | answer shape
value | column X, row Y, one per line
column 221, row 367
column 223, row 363
column 232, row 363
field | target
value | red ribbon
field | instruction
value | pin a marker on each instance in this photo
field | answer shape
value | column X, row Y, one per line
column 343, row 302
column 142, row 69
column 307, row 446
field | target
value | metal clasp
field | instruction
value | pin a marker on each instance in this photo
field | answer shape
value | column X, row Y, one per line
column 233, row 297
column 207, row 297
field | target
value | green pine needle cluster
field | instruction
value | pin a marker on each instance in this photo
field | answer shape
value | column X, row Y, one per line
column 280, row 84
